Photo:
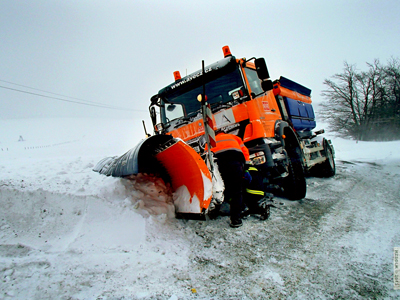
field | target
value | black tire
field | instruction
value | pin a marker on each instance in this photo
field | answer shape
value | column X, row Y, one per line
column 328, row 167
column 294, row 185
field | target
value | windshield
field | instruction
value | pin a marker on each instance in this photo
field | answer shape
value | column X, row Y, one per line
column 218, row 91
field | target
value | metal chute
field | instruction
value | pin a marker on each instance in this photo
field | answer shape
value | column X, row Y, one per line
column 174, row 161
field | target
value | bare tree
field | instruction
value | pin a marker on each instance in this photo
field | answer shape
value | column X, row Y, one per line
column 392, row 72
column 364, row 105
column 341, row 109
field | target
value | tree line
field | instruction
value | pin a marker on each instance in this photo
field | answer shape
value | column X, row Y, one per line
column 364, row 105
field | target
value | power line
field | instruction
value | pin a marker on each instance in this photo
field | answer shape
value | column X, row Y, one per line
column 25, row 86
column 71, row 101
column 89, row 103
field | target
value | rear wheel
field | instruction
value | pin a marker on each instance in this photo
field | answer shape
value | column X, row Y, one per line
column 328, row 167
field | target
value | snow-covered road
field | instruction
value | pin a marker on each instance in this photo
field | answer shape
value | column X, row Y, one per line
column 336, row 243
column 70, row 233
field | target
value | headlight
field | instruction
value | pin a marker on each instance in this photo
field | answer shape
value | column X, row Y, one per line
column 258, row 158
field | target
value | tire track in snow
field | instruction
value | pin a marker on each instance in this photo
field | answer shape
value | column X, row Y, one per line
column 320, row 247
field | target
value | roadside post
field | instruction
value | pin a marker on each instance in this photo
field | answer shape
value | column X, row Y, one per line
column 208, row 122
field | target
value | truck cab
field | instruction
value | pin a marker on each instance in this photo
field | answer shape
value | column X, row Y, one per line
column 236, row 97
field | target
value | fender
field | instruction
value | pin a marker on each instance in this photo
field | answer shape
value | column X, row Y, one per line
column 279, row 130
column 284, row 132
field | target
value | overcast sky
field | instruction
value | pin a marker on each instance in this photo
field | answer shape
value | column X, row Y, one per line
column 120, row 53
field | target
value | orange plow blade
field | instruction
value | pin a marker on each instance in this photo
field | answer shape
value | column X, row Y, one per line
column 172, row 160
column 190, row 177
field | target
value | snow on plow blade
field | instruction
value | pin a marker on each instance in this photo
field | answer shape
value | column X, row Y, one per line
column 174, row 161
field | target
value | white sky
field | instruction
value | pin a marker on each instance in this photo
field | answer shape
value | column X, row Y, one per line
column 122, row 52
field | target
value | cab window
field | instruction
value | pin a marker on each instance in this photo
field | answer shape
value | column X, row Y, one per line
column 254, row 81
column 173, row 111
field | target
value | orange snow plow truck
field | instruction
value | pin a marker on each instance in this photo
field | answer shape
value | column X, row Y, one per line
column 274, row 119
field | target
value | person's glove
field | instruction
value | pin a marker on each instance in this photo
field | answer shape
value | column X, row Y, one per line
column 247, row 177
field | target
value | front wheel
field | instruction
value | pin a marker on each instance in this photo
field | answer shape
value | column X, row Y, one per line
column 294, row 185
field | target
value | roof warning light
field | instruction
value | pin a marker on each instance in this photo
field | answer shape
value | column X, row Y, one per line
column 227, row 51
column 177, row 75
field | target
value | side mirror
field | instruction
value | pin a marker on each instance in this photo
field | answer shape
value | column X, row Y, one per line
column 154, row 100
column 261, row 68
column 267, row 85
column 153, row 115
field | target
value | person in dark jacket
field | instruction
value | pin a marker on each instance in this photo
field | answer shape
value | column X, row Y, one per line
column 232, row 155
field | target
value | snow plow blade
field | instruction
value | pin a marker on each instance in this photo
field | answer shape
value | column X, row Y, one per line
column 175, row 162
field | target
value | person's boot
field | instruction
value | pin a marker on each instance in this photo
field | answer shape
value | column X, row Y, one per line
column 265, row 207
column 235, row 223
column 265, row 213
column 245, row 213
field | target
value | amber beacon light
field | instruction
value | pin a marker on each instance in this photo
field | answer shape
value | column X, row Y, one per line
column 177, row 75
column 227, row 51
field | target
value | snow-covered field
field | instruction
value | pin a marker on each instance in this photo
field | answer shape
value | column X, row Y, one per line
column 67, row 232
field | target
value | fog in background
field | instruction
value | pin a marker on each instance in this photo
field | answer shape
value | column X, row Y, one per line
column 120, row 53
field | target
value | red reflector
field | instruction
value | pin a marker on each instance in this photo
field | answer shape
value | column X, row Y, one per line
column 227, row 51
column 177, row 75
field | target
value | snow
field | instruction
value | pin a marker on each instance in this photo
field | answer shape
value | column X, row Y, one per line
column 180, row 200
column 67, row 232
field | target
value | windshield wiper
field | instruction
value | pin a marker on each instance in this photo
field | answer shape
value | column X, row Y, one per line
column 218, row 106
column 181, row 122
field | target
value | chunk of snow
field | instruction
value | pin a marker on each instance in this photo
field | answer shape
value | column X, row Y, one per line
column 182, row 201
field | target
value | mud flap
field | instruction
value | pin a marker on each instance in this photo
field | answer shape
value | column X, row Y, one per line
column 173, row 160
